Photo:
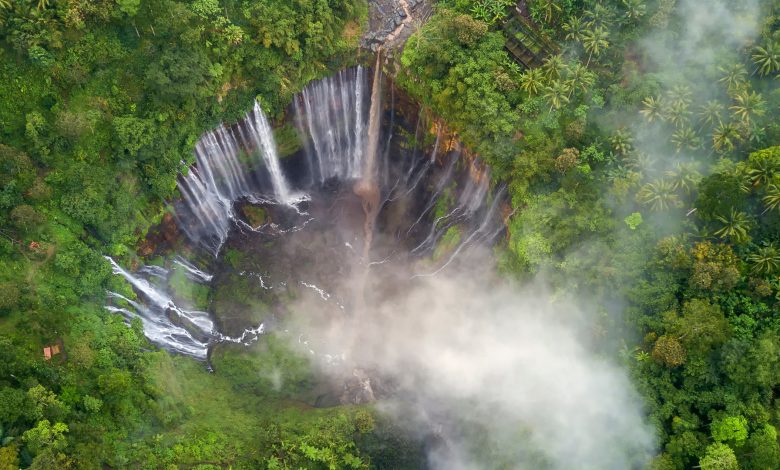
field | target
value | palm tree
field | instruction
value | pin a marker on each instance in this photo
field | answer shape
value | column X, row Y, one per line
column 595, row 42
column 532, row 81
column 680, row 95
column 622, row 143
column 580, row 78
column 550, row 8
column 640, row 163
column 653, row 108
column 710, row 113
column 772, row 197
column 747, row 105
column 575, row 29
column 725, row 137
column 767, row 58
column 684, row 176
column 635, row 9
column 678, row 113
column 4, row 5
column 685, row 139
column 766, row 260
column 735, row 226
column 733, row 76
column 557, row 94
column 599, row 16
column 659, row 195
column 554, row 66
column 762, row 171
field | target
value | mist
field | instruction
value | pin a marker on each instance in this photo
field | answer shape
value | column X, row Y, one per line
column 691, row 54
column 488, row 373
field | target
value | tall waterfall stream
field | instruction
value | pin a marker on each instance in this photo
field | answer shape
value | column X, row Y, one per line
column 370, row 197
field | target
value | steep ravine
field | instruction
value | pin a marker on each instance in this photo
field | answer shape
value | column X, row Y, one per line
column 376, row 190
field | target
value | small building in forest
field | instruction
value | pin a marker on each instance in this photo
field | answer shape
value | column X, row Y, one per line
column 53, row 349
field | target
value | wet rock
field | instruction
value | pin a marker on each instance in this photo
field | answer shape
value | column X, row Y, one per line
column 358, row 389
column 388, row 21
column 366, row 386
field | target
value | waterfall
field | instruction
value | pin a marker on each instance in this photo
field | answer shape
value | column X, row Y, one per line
column 261, row 135
column 374, row 118
column 160, row 315
column 189, row 332
column 339, row 120
column 226, row 163
column 331, row 116
column 192, row 272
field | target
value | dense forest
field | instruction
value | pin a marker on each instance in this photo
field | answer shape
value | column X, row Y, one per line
column 642, row 161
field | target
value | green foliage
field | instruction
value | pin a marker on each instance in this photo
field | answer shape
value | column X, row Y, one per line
column 730, row 429
column 490, row 11
column 459, row 69
column 633, row 220
column 100, row 102
column 719, row 457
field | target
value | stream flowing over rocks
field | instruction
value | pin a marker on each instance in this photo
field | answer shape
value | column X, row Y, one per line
column 391, row 22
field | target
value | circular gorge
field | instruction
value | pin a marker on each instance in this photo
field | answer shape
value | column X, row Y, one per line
column 321, row 218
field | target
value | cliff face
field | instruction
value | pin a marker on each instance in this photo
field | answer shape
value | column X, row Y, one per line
column 391, row 22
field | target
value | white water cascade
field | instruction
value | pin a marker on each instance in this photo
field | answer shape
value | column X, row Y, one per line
column 333, row 113
column 340, row 122
column 227, row 163
column 258, row 130
column 174, row 328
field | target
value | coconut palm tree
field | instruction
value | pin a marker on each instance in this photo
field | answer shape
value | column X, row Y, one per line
column 762, row 171
column 4, row 5
column 725, row 137
column 635, row 9
column 554, row 66
column 640, row 163
column 600, row 16
column 678, row 114
column 532, row 81
column 680, row 95
column 748, row 105
column 557, row 94
column 622, row 142
column 595, row 42
column 765, row 260
column 685, row 139
column 684, row 176
column 711, row 113
column 767, row 58
column 734, row 76
column 736, row 226
column 659, row 195
column 575, row 29
column 580, row 78
column 653, row 108
column 550, row 8
column 772, row 196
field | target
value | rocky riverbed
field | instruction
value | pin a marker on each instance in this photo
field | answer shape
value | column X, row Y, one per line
column 391, row 22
